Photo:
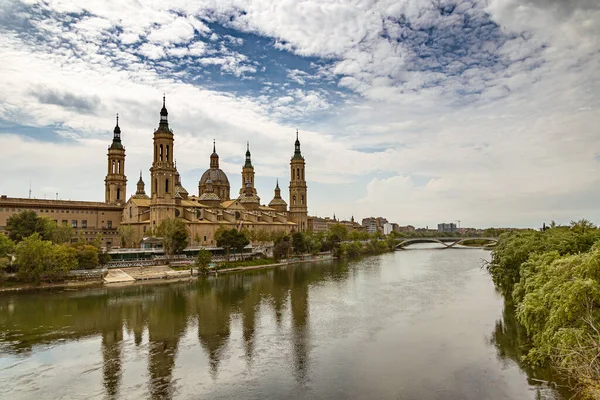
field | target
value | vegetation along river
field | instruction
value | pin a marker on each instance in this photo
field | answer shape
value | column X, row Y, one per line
column 414, row 324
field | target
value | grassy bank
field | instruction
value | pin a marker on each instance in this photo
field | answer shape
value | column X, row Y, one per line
column 553, row 279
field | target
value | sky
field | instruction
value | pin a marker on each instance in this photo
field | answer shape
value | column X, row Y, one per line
column 420, row 111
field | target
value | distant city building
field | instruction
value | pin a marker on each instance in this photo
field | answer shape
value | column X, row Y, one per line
column 407, row 228
column 373, row 225
column 449, row 227
column 388, row 228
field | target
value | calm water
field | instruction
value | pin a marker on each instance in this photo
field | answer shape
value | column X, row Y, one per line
column 417, row 324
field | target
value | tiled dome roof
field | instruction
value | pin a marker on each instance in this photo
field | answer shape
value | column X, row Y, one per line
column 208, row 196
column 216, row 175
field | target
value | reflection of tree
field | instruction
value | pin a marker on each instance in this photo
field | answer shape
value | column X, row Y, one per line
column 167, row 321
column 510, row 339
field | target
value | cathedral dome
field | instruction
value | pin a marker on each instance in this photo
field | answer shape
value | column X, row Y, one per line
column 216, row 175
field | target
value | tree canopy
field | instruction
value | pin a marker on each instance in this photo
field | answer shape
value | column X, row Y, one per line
column 38, row 259
column 174, row 235
column 26, row 223
column 231, row 239
column 553, row 279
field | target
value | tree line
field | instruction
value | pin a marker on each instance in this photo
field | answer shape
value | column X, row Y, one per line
column 553, row 279
column 37, row 249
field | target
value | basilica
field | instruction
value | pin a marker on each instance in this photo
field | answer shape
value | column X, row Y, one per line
column 214, row 205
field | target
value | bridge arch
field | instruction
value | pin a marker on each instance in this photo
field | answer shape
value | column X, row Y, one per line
column 446, row 242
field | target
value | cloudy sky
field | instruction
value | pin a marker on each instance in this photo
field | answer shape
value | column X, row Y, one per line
column 423, row 111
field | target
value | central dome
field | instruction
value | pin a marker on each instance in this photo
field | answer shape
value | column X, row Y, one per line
column 219, row 182
column 216, row 177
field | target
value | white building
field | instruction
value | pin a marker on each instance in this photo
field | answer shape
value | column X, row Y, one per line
column 387, row 228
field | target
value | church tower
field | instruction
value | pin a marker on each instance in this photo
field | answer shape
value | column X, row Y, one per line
column 162, row 173
column 247, row 173
column 298, row 201
column 116, row 182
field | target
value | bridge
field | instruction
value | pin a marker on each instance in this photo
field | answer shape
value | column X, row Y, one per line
column 447, row 242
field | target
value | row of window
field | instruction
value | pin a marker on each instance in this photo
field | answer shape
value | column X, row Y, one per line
column 50, row 211
column 83, row 223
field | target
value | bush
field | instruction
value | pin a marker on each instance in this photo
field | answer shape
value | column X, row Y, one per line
column 37, row 259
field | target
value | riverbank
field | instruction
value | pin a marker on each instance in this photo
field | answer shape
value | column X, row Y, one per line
column 137, row 275
column 551, row 277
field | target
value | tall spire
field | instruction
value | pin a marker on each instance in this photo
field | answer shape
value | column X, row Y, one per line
column 164, row 113
column 117, row 131
column 214, row 157
column 248, row 163
column 277, row 190
column 297, row 153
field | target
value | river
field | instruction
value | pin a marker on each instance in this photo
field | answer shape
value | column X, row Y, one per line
column 414, row 324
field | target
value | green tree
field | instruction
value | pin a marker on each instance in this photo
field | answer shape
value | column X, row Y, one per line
column 339, row 232
column 62, row 233
column 88, row 256
column 38, row 259
column 202, row 261
column 231, row 239
column 282, row 247
column 7, row 247
column 582, row 226
column 26, row 223
column 174, row 235
column 299, row 243
column 126, row 233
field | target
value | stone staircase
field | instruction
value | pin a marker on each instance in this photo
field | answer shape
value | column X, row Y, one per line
column 132, row 274
column 118, row 276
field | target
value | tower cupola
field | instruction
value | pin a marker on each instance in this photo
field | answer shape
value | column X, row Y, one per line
column 214, row 157
column 116, row 143
column 248, row 163
column 297, row 153
column 164, row 113
column 278, row 204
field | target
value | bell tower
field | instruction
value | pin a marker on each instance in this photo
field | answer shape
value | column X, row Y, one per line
column 115, row 182
column 298, row 201
column 162, row 173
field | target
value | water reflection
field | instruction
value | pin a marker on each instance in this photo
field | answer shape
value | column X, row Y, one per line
column 510, row 340
column 259, row 320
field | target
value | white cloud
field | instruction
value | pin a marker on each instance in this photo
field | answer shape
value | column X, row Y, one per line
column 503, row 134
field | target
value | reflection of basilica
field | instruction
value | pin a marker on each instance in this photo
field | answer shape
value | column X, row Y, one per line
column 163, row 314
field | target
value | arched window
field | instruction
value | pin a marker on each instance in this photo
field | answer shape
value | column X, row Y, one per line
column 131, row 213
column 302, row 200
column 166, row 186
column 294, row 200
column 297, row 173
column 113, row 167
column 155, row 153
column 302, row 173
column 119, row 167
column 161, row 152
column 167, row 154
column 118, row 193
